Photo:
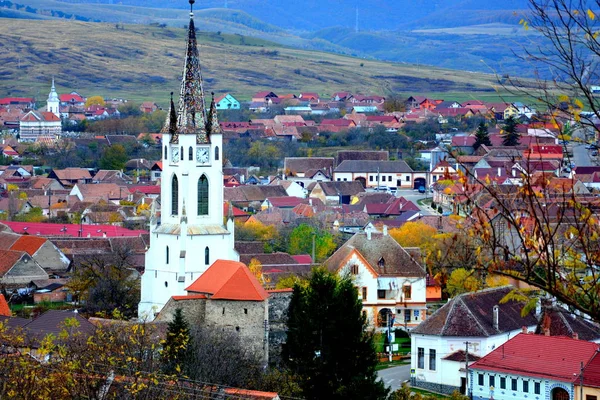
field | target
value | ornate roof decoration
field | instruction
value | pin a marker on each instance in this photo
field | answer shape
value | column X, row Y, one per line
column 192, row 108
column 212, row 123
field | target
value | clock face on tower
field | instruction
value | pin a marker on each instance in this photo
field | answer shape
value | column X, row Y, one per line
column 175, row 154
column 202, row 155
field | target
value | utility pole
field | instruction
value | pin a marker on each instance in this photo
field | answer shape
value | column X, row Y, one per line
column 468, row 392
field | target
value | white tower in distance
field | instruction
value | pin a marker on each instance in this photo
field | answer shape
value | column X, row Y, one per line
column 53, row 104
column 191, row 232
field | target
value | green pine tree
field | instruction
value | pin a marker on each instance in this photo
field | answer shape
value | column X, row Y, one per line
column 510, row 136
column 175, row 346
column 329, row 346
column 482, row 136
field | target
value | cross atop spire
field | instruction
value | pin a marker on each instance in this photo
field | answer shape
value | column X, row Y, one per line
column 192, row 107
column 192, row 7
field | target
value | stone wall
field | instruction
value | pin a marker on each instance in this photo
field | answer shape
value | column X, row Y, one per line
column 193, row 311
column 246, row 318
column 433, row 387
column 279, row 303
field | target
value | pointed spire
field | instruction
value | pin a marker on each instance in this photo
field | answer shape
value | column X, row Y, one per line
column 212, row 123
column 170, row 125
column 192, row 108
column 53, row 96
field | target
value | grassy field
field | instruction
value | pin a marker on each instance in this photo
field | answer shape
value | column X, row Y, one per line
column 143, row 62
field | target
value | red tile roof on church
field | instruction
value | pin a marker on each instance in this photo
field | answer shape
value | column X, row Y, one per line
column 549, row 357
column 228, row 280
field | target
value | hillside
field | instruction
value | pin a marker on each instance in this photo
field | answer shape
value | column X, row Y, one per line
column 144, row 62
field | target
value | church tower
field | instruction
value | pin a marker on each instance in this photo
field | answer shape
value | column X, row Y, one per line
column 53, row 104
column 191, row 232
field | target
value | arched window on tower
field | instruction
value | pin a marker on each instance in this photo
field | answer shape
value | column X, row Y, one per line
column 191, row 153
column 167, row 254
column 174, row 195
column 216, row 153
column 206, row 256
column 203, row 195
column 182, row 154
column 165, row 152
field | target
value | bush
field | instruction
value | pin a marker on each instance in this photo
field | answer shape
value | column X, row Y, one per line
column 433, row 204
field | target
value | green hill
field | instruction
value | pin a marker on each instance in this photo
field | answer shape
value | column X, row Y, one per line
column 144, row 62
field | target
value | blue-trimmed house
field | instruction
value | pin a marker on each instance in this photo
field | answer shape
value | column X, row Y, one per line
column 227, row 102
column 535, row 367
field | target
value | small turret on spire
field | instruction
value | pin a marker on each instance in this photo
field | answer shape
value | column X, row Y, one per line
column 212, row 122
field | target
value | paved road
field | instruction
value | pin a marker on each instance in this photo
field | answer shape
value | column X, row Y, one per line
column 582, row 156
column 393, row 377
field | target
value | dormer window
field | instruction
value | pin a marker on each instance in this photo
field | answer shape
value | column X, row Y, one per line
column 381, row 262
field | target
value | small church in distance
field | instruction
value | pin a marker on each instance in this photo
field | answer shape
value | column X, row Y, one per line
column 191, row 263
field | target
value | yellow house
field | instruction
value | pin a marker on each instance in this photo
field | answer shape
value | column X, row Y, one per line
column 511, row 111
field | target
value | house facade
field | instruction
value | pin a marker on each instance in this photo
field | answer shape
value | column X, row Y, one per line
column 538, row 367
column 375, row 173
column 465, row 329
column 227, row 102
column 390, row 279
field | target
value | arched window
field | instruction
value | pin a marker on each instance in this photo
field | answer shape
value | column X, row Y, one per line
column 206, row 256
column 216, row 153
column 182, row 154
column 165, row 152
column 167, row 254
column 203, row 195
column 191, row 154
column 174, row 195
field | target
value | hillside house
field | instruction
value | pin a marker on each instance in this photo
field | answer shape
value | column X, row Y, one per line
column 438, row 344
column 72, row 99
column 390, row 278
column 68, row 177
column 307, row 170
column 227, row 102
column 148, row 107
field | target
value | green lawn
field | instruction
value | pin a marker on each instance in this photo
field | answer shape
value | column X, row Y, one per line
column 425, row 392
column 387, row 364
column 380, row 344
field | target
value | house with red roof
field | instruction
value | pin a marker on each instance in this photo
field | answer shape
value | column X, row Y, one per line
column 72, row 99
column 18, row 102
column 227, row 296
column 537, row 367
column 439, row 352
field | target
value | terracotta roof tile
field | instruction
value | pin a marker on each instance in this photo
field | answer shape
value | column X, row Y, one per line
column 8, row 259
column 550, row 357
column 228, row 280
column 29, row 244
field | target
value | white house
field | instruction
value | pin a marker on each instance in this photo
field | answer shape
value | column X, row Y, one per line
column 373, row 173
column 390, row 279
column 474, row 321
column 538, row 367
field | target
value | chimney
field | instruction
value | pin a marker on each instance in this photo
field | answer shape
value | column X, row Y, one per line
column 310, row 201
column 575, row 335
column 495, row 316
column 524, row 329
column 368, row 232
column 546, row 331
column 103, row 234
column 385, row 230
column 499, row 172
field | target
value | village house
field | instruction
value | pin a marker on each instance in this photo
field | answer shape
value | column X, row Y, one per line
column 438, row 345
column 372, row 174
column 42, row 250
column 68, row 177
column 94, row 192
column 390, row 279
column 307, row 170
column 18, row 268
column 227, row 102
column 149, row 107
column 540, row 367
column 334, row 193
